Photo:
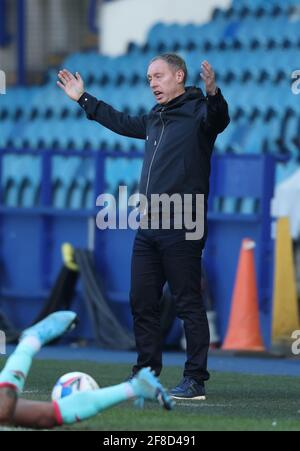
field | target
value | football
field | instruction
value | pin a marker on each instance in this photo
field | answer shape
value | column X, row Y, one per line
column 71, row 383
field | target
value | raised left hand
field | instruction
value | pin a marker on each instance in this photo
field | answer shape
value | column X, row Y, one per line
column 209, row 78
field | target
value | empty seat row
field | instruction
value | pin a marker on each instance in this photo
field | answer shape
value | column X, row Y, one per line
column 263, row 74
column 271, row 133
column 230, row 205
column 72, row 180
column 269, row 9
column 269, row 4
column 68, row 134
column 280, row 30
column 49, row 101
column 247, row 101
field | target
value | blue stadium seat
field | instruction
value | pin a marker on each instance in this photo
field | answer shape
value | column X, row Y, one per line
column 112, row 171
column 252, row 142
column 31, row 178
column 11, row 179
column 291, row 135
column 17, row 100
column 50, row 99
column 229, row 205
column 285, row 170
column 21, row 179
column 248, row 206
column 224, row 140
column 59, row 182
column 7, row 128
column 64, row 175
column 158, row 35
column 78, row 181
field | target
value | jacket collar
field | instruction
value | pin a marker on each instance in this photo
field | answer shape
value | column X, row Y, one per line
column 191, row 93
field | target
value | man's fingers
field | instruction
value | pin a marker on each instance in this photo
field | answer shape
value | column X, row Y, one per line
column 78, row 76
column 60, row 85
column 206, row 64
column 62, row 78
column 68, row 75
column 205, row 74
column 65, row 75
column 207, row 68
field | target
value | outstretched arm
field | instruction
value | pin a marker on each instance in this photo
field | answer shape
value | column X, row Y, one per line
column 106, row 115
column 217, row 116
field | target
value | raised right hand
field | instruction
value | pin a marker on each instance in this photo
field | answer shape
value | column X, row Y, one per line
column 72, row 85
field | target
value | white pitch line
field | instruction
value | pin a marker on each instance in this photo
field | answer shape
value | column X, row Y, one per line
column 200, row 404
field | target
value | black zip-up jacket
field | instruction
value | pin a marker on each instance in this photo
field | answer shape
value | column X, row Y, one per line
column 179, row 137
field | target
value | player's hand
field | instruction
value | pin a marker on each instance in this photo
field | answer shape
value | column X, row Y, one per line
column 209, row 78
column 72, row 85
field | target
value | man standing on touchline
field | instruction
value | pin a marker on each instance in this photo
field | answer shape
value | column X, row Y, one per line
column 179, row 133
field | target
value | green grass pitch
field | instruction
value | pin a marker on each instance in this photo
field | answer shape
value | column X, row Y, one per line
column 234, row 401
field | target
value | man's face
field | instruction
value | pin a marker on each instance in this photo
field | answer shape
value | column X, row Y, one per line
column 165, row 82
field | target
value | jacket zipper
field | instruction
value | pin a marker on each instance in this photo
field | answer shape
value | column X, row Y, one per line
column 158, row 144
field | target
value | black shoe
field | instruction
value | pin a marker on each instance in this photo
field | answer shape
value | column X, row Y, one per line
column 189, row 388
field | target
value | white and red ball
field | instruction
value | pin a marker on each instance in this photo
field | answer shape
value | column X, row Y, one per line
column 71, row 383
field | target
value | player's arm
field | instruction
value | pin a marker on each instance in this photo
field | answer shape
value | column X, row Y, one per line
column 106, row 115
column 217, row 116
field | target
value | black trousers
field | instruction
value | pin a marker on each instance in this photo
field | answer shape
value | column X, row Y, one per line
column 160, row 256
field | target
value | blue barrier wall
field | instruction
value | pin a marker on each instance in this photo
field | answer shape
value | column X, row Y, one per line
column 30, row 241
column 249, row 177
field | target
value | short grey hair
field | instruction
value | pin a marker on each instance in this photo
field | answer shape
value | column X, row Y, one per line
column 174, row 61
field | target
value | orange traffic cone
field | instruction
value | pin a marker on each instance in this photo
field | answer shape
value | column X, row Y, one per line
column 243, row 332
